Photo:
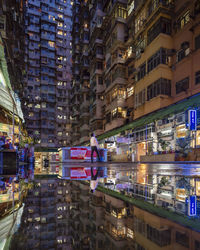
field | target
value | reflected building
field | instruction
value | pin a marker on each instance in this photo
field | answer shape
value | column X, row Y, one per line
column 45, row 218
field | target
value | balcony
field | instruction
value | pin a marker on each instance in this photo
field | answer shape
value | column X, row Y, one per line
column 34, row 12
column 48, row 37
column 33, row 28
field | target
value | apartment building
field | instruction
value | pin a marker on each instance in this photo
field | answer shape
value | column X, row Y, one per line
column 44, row 223
column 96, row 55
column 150, row 73
column 75, row 86
column 48, row 71
column 80, row 95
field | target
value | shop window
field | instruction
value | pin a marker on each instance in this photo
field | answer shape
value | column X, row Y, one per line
column 182, row 239
column 160, row 87
column 159, row 57
column 182, row 85
column 197, row 77
column 197, row 42
column 163, row 25
column 183, row 20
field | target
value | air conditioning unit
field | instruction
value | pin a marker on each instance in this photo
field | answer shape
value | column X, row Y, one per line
column 159, row 122
column 180, row 207
column 180, row 119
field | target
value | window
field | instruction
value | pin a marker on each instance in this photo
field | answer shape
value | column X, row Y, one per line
column 182, row 85
column 99, row 65
column 163, row 25
column 197, row 42
column 140, row 98
column 158, row 58
column 160, row 87
column 180, row 55
column 100, row 80
column 130, row 91
column 183, row 20
column 108, row 63
column 197, row 245
column 120, row 12
column 197, row 77
column 142, row 72
column 182, row 239
column 161, row 238
column 139, row 21
column 131, row 7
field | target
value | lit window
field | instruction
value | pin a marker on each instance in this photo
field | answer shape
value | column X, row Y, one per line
column 60, row 108
column 60, row 32
column 37, row 106
column 31, row 114
column 60, row 16
column 59, row 217
column 51, row 17
column 51, row 44
column 60, row 24
column 130, row 91
column 44, row 105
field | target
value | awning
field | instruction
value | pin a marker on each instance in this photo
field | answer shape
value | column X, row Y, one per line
column 189, row 103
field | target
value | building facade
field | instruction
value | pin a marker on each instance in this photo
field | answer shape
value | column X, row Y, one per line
column 137, row 91
column 48, row 71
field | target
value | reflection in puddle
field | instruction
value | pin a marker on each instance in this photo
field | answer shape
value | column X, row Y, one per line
column 78, row 207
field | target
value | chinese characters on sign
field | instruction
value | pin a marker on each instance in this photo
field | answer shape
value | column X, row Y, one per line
column 192, row 205
column 192, row 115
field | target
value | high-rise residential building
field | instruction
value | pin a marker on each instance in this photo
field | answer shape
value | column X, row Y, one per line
column 48, row 71
column 80, row 95
column 144, row 74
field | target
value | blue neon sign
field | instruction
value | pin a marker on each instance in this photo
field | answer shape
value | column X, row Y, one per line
column 192, row 206
column 192, row 115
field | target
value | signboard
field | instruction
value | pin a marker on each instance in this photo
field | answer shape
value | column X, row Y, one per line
column 192, row 119
column 192, row 205
column 81, row 153
column 83, row 173
column 124, row 140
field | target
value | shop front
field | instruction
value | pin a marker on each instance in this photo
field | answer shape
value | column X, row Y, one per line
column 143, row 141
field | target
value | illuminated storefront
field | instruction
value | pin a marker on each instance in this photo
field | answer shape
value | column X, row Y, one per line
column 181, row 131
